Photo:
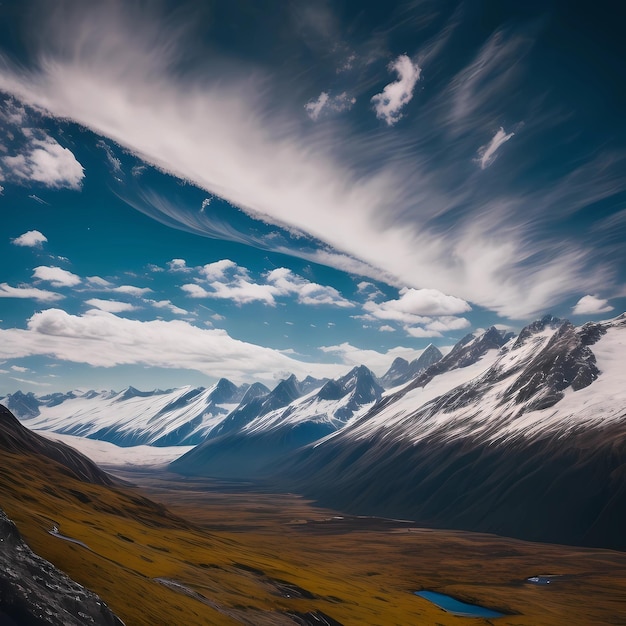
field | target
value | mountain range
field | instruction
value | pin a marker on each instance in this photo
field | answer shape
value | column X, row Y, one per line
column 517, row 435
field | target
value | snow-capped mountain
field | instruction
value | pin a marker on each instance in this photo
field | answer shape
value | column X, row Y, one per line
column 181, row 416
column 247, row 447
column 523, row 436
column 401, row 371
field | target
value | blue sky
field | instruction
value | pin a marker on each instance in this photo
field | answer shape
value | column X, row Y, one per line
column 195, row 190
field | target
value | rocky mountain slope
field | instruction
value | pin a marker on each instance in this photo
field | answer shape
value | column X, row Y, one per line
column 523, row 436
column 35, row 592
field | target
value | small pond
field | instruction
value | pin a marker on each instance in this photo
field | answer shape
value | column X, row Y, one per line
column 456, row 607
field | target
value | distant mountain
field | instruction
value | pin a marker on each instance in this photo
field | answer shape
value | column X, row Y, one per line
column 255, row 435
column 401, row 371
column 16, row 439
column 33, row 591
column 519, row 436
column 131, row 417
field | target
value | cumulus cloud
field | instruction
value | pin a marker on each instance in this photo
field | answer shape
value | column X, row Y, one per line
column 218, row 270
column 307, row 292
column 43, row 161
column 591, row 305
column 97, row 281
column 132, row 290
column 103, row 339
column 30, row 239
column 487, row 153
column 167, row 304
column 417, row 306
column 421, row 333
column 56, row 276
column 19, row 368
column 396, row 95
column 110, row 306
column 385, row 328
column 178, row 265
column 42, row 295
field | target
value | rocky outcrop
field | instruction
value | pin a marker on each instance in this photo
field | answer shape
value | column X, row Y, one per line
column 34, row 592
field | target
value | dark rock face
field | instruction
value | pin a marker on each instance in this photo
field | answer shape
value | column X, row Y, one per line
column 15, row 438
column 401, row 371
column 34, row 592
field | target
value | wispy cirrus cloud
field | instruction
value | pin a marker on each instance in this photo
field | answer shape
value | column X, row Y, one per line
column 375, row 201
column 487, row 153
column 326, row 102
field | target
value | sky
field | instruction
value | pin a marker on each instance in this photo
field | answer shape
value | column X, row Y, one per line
column 194, row 190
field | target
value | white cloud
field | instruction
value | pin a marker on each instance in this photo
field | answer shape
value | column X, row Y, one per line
column 385, row 328
column 44, row 161
column 56, row 276
column 103, row 339
column 19, row 368
column 487, row 153
column 218, row 270
column 131, row 290
column 30, row 239
column 167, row 304
column 378, row 362
column 397, row 94
column 417, row 306
column 307, row 292
column 110, row 306
column 324, row 102
column 421, row 333
column 31, row 382
column 591, row 305
column 314, row 107
column 42, row 295
column 178, row 265
column 195, row 291
column 97, row 281
column 222, row 131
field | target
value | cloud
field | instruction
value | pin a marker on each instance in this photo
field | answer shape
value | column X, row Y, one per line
column 195, row 291
column 378, row 362
column 114, row 162
column 19, row 368
column 131, row 290
column 324, row 102
column 397, row 94
column 307, row 292
column 422, row 333
column 417, row 306
column 384, row 204
column 42, row 295
column 56, row 276
column 110, row 306
column 314, row 107
column 178, row 265
column 487, row 153
column 167, row 304
column 219, row 269
column 97, row 281
column 103, row 339
column 591, row 305
column 385, row 328
column 31, row 382
column 43, row 161
column 30, row 239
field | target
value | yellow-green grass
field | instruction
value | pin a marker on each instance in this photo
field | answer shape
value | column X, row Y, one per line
column 241, row 551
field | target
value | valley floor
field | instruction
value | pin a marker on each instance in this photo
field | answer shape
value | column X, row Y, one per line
column 363, row 570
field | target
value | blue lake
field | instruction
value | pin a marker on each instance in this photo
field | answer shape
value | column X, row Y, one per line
column 456, row 607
